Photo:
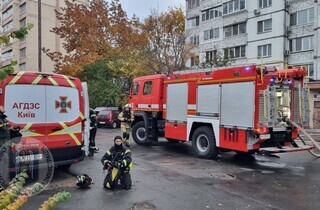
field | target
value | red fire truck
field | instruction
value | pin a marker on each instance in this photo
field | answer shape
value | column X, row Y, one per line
column 49, row 108
column 244, row 109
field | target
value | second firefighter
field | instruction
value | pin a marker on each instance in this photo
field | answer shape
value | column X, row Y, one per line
column 126, row 117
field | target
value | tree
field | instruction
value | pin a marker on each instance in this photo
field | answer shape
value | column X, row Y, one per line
column 167, row 50
column 103, row 88
column 5, row 40
column 97, row 31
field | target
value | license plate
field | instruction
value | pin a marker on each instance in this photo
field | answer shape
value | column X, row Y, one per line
column 265, row 136
column 29, row 158
column 102, row 122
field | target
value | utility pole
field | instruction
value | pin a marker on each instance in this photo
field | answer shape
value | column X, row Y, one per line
column 39, row 37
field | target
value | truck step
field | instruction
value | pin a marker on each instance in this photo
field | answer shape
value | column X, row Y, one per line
column 270, row 150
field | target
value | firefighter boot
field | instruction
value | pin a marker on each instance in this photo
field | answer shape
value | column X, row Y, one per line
column 91, row 152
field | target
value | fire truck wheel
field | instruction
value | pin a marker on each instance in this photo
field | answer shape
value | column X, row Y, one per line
column 139, row 134
column 204, row 143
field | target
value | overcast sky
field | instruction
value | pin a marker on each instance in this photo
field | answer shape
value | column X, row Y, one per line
column 142, row 8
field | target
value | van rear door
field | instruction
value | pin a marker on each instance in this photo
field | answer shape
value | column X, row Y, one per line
column 64, row 118
column 25, row 106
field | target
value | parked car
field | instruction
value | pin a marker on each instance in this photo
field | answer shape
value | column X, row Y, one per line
column 108, row 117
column 98, row 109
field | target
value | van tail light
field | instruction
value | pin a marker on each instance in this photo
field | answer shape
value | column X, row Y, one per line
column 261, row 130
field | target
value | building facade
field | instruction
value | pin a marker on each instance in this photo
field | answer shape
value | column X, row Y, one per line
column 275, row 32
column 272, row 32
column 16, row 14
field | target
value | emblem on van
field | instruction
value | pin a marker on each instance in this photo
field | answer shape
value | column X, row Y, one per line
column 63, row 104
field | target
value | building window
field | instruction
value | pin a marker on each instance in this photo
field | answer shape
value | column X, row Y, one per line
column 302, row 17
column 194, row 61
column 7, row 13
column 22, row 52
column 193, row 4
column 310, row 70
column 194, row 40
column 7, row 27
column 212, row 13
column 316, row 103
column 211, row 34
column 22, row 66
column 265, row 3
column 211, row 56
column 236, row 52
column 193, row 22
column 235, row 29
column 301, row 44
column 23, row 8
column 264, row 50
column 265, row 26
column 23, row 22
column 6, row 55
column 233, row 6
column 147, row 89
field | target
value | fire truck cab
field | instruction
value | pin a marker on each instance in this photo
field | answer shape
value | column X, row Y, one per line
column 245, row 109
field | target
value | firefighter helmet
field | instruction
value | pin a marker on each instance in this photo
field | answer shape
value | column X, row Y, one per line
column 127, row 105
column 84, row 180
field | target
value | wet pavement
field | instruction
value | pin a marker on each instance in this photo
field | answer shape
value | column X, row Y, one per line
column 170, row 177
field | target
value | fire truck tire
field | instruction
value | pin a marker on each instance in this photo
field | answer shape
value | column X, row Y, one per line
column 139, row 134
column 204, row 143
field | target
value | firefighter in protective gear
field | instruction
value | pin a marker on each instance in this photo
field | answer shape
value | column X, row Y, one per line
column 126, row 117
column 93, row 132
column 4, row 127
column 7, row 132
column 117, row 160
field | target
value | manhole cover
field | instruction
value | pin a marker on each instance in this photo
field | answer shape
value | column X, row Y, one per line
column 143, row 206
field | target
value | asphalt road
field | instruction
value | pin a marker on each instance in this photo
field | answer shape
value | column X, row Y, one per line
column 169, row 177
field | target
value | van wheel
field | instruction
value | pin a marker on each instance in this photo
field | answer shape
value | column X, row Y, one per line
column 114, row 125
column 139, row 133
column 204, row 143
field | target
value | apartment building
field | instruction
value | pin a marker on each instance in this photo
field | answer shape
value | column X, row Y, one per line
column 275, row 32
column 16, row 14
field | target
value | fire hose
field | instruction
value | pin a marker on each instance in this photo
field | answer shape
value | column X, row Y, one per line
column 314, row 142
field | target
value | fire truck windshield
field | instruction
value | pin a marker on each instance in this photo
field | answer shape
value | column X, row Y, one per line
column 283, row 101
